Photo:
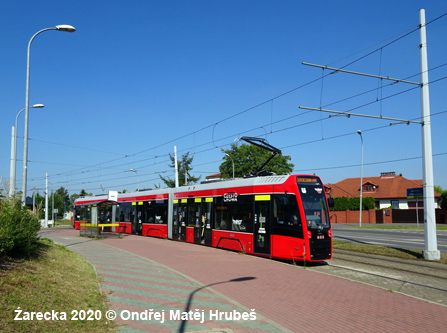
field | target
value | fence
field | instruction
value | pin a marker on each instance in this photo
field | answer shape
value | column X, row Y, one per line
column 386, row 216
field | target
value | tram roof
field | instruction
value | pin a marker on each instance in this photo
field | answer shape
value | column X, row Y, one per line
column 102, row 203
column 223, row 183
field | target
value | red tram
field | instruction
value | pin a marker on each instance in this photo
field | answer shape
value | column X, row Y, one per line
column 283, row 217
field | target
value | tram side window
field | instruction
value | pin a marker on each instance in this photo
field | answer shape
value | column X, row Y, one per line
column 105, row 214
column 149, row 212
column 161, row 211
column 125, row 213
column 286, row 216
column 78, row 213
column 235, row 215
column 222, row 220
column 85, row 213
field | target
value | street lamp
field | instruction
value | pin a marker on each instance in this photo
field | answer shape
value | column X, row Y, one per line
column 138, row 178
column 12, row 171
column 361, row 180
column 63, row 27
column 231, row 161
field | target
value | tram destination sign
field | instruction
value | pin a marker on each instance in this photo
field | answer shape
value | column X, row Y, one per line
column 413, row 193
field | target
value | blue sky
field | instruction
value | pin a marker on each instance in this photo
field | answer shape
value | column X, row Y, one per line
column 138, row 77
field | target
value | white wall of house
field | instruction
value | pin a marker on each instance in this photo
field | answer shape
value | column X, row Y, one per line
column 385, row 203
column 403, row 203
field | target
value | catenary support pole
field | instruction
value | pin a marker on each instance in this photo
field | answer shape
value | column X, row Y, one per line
column 431, row 251
column 46, row 200
column 361, row 180
column 176, row 166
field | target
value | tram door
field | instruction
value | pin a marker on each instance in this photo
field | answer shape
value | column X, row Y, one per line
column 202, row 220
column 181, row 220
column 207, row 230
column 261, row 232
column 139, row 218
column 176, row 220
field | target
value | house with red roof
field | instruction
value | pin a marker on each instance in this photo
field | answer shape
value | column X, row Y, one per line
column 387, row 190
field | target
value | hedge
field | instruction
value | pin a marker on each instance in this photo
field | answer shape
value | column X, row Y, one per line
column 345, row 203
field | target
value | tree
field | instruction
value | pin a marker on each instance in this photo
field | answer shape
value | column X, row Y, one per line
column 249, row 158
column 443, row 193
column 444, row 200
column 63, row 193
column 184, row 167
column 60, row 199
column 75, row 196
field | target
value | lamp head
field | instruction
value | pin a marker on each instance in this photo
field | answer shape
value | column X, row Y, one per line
column 359, row 132
column 65, row 27
column 38, row 106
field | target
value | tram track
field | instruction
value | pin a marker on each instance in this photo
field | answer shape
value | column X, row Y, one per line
column 426, row 280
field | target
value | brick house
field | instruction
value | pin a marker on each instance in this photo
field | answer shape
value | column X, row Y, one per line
column 387, row 190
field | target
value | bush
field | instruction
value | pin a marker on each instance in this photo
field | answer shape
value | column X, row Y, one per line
column 341, row 203
column 444, row 199
column 18, row 230
column 345, row 203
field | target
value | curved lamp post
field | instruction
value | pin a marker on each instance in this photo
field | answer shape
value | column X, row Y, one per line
column 63, row 27
column 231, row 161
column 361, row 180
column 12, row 171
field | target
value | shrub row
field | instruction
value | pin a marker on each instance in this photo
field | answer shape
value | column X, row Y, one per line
column 18, row 230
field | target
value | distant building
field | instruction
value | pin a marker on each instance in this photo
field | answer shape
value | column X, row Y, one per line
column 29, row 203
column 387, row 190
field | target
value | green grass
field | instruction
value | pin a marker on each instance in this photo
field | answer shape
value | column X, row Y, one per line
column 383, row 251
column 58, row 279
column 63, row 222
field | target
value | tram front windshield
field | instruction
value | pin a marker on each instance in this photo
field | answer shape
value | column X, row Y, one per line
column 314, row 202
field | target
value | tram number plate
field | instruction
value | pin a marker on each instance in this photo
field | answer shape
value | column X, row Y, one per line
column 320, row 237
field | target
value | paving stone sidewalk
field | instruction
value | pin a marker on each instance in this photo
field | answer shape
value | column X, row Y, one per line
column 143, row 273
column 149, row 297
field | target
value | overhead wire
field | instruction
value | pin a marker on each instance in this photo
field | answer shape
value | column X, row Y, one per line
column 284, row 147
column 249, row 109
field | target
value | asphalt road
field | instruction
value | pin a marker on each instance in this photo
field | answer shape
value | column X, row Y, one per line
column 404, row 238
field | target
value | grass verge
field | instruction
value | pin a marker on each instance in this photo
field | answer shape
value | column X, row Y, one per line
column 383, row 251
column 63, row 222
column 58, row 279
